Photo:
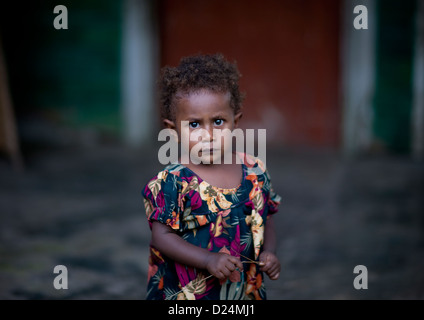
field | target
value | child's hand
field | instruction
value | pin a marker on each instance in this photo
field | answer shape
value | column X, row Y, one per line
column 221, row 265
column 270, row 265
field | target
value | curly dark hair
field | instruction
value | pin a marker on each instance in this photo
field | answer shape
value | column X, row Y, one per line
column 212, row 72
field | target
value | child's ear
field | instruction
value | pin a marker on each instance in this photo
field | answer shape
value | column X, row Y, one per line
column 169, row 124
column 237, row 118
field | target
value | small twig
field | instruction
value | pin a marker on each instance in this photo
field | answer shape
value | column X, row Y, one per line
column 256, row 262
column 249, row 260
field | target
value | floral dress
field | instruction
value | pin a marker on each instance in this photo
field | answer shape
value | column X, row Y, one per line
column 220, row 220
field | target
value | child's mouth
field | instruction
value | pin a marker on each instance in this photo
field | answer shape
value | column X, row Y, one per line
column 210, row 150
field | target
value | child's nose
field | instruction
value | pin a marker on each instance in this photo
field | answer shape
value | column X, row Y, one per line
column 209, row 133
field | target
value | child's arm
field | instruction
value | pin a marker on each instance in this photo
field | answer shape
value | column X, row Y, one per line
column 270, row 240
column 176, row 248
column 268, row 259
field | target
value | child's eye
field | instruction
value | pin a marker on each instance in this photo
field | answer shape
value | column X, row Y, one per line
column 219, row 122
column 194, row 125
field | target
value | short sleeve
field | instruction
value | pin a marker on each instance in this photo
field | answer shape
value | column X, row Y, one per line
column 273, row 199
column 162, row 196
column 257, row 167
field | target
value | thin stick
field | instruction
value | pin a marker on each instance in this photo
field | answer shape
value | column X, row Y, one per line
column 249, row 260
column 256, row 262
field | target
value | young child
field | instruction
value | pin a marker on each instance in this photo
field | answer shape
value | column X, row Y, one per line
column 212, row 228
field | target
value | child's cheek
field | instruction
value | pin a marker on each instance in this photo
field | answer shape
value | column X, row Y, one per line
column 185, row 138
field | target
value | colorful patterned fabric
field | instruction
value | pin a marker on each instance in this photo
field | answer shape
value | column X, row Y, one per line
column 220, row 220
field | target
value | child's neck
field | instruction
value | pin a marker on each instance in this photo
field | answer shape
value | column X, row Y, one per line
column 225, row 176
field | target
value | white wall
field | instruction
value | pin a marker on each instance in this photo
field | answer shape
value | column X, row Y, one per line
column 358, row 77
column 139, row 71
column 418, row 87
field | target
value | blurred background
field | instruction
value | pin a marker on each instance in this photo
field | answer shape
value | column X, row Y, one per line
column 343, row 109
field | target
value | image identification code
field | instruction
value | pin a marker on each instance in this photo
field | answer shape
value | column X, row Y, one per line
column 217, row 309
column 245, row 310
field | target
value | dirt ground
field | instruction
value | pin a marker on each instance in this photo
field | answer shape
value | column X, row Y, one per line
column 81, row 207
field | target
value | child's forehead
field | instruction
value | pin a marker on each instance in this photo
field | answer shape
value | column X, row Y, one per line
column 203, row 93
column 204, row 100
column 204, row 97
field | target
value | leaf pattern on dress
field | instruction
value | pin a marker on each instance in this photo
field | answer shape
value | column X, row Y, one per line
column 213, row 196
column 196, row 286
column 254, row 283
column 257, row 227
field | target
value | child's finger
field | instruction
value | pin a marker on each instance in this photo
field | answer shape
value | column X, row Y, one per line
column 225, row 272
column 274, row 271
column 263, row 263
column 274, row 276
column 219, row 275
column 230, row 266
column 236, row 262
column 265, row 267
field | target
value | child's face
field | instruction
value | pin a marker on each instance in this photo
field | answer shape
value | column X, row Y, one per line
column 204, row 110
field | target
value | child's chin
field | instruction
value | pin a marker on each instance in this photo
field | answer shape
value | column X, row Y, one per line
column 212, row 158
